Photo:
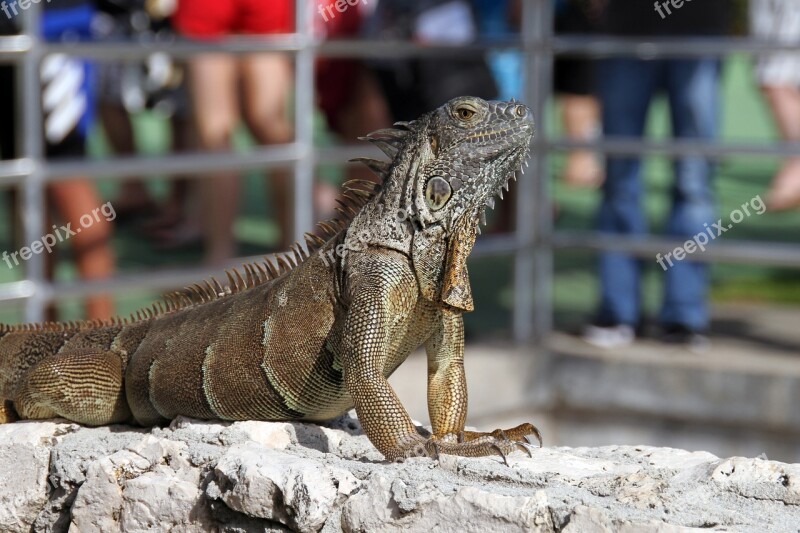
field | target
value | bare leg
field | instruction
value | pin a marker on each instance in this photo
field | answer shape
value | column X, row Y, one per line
column 133, row 195
column 784, row 192
column 173, row 212
column 94, row 256
column 581, row 116
column 213, row 82
column 266, row 82
column 183, row 140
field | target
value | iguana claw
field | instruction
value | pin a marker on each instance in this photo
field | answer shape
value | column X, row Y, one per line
column 526, row 448
column 477, row 444
column 535, row 433
column 499, row 450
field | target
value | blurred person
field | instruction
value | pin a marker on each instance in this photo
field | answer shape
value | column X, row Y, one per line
column 67, row 105
column 494, row 23
column 223, row 88
column 574, row 82
column 627, row 87
column 155, row 85
column 778, row 74
column 68, row 115
column 414, row 86
column 347, row 93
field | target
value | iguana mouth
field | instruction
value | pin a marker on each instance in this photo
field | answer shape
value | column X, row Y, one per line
column 493, row 135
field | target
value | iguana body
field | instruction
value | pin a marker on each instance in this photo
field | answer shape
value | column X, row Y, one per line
column 321, row 332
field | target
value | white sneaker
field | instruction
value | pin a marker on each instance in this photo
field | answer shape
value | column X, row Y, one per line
column 609, row 336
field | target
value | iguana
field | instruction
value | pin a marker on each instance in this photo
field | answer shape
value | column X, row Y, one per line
column 319, row 332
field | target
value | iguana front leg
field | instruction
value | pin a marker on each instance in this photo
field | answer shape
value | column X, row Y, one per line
column 447, row 384
column 382, row 290
column 447, row 400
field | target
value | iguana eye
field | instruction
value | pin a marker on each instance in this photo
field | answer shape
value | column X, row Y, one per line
column 465, row 113
column 437, row 193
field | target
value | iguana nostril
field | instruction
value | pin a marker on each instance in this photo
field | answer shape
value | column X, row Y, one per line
column 521, row 111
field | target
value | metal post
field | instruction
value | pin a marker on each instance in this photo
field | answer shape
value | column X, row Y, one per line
column 544, row 268
column 32, row 200
column 304, row 122
column 533, row 264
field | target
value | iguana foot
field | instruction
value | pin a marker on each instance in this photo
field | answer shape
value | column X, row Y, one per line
column 519, row 433
column 476, row 444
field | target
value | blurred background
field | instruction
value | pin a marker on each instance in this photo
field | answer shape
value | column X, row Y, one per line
column 183, row 136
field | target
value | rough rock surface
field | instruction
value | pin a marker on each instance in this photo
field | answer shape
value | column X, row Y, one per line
column 259, row 476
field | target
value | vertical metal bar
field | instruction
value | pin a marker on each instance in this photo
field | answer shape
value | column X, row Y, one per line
column 533, row 264
column 304, row 122
column 32, row 200
column 544, row 268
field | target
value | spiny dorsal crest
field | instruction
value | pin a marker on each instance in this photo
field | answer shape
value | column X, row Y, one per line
column 355, row 194
column 390, row 141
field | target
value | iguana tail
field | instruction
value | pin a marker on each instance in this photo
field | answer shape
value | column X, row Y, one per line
column 57, row 371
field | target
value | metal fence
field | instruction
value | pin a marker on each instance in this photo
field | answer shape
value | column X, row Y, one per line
column 533, row 243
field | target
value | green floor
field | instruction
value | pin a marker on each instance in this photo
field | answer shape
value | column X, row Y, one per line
column 738, row 180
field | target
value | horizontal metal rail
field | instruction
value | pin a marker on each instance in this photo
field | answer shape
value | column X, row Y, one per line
column 193, row 164
column 723, row 251
column 729, row 251
column 602, row 46
column 11, row 172
column 679, row 148
column 13, row 47
column 184, row 164
column 17, row 290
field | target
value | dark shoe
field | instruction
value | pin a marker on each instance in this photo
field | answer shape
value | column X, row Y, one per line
column 678, row 334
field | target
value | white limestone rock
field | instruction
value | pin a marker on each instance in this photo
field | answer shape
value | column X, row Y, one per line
column 760, row 479
column 23, row 485
column 300, row 493
column 376, row 508
column 264, row 476
column 24, row 466
column 142, row 488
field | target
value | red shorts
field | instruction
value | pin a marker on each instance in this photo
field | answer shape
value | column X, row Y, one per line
column 218, row 18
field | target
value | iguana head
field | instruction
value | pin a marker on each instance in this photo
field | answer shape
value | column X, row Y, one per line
column 475, row 148
column 446, row 169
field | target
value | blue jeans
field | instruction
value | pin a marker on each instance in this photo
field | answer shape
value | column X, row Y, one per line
column 626, row 88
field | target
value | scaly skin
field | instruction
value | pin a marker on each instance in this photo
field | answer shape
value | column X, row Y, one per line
column 321, row 332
